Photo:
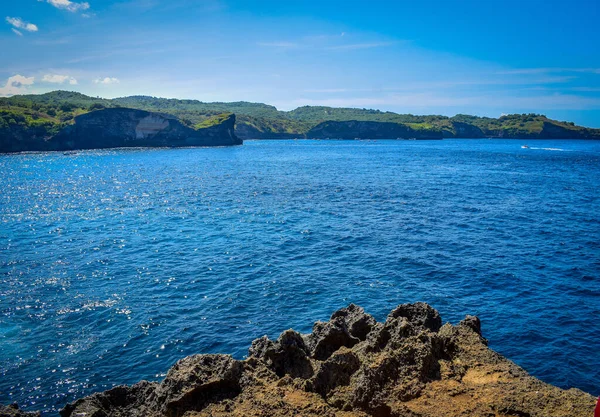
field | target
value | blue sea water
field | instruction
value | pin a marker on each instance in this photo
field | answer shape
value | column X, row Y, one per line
column 114, row 264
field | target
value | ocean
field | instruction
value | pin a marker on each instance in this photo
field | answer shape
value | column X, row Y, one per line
column 114, row 264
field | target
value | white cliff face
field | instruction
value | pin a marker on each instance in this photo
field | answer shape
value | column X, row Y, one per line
column 150, row 126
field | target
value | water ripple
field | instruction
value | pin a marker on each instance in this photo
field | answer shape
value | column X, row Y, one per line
column 114, row 264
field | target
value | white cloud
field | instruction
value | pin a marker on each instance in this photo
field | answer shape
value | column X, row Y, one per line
column 16, row 84
column 107, row 81
column 71, row 6
column 59, row 79
column 18, row 23
column 17, row 32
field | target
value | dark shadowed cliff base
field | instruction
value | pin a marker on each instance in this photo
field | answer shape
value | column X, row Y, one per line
column 120, row 128
column 368, row 130
column 409, row 366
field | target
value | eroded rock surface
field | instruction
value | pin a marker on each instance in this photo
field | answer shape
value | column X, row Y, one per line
column 411, row 365
column 13, row 410
column 121, row 127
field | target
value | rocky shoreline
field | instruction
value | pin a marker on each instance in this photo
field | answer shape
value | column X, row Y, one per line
column 408, row 366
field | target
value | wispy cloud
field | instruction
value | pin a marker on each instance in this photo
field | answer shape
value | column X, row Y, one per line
column 429, row 100
column 327, row 90
column 326, row 37
column 354, row 46
column 525, row 71
column 59, row 79
column 18, row 23
column 279, row 44
column 340, row 41
column 56, row 41
column 142, row 6
column 16, row 84
column 68, row 5
column 321, row 43
column 586, row 89
column 487, row 80
column 456, row 84
column 107, row 81
column 17, row 32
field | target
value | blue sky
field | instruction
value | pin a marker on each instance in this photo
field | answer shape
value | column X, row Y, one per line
column 483, row 57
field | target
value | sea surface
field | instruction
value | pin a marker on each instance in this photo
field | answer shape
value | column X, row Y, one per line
column 114, row 264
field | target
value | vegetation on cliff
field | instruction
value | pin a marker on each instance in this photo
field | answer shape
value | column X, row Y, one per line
column 45, row 114
column 37, row 122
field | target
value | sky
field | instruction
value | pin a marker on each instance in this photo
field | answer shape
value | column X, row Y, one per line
column 485, row 57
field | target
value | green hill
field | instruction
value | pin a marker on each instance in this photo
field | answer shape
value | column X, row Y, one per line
column 45, row 114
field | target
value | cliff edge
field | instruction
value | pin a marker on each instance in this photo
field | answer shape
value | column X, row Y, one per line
column 409, row 366
column 123, row 127
column 355, row 129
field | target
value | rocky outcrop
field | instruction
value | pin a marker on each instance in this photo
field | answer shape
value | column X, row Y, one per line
column 408, row 366
column 13, row 410
column 121, row 127
column 553, row 131
column 369, row 130
column 463, row 130
column 246, row 130
column 116, row 128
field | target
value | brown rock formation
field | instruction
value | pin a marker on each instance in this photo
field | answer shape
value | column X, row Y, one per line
column 409, row 366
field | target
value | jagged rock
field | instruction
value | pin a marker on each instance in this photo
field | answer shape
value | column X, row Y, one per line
column 287, row 356
column 189, row 385
column 350, row 366
column 336, row 371
column 13, row 410
column 359, row 323
column 196, row 381
column 418, row 314
column 119, row 401
column 327, row 337
column 473, row 323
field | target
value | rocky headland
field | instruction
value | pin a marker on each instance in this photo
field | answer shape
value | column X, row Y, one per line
column 411, row 365
column 368, row 130
column 28, row 120
column 124, row 127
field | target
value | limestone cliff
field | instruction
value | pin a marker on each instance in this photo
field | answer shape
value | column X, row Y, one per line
column 408, row 366
column 122, row 127
column 369, row 130
column 115, row 128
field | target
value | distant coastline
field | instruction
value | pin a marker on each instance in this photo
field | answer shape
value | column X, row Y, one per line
column 48, row 122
